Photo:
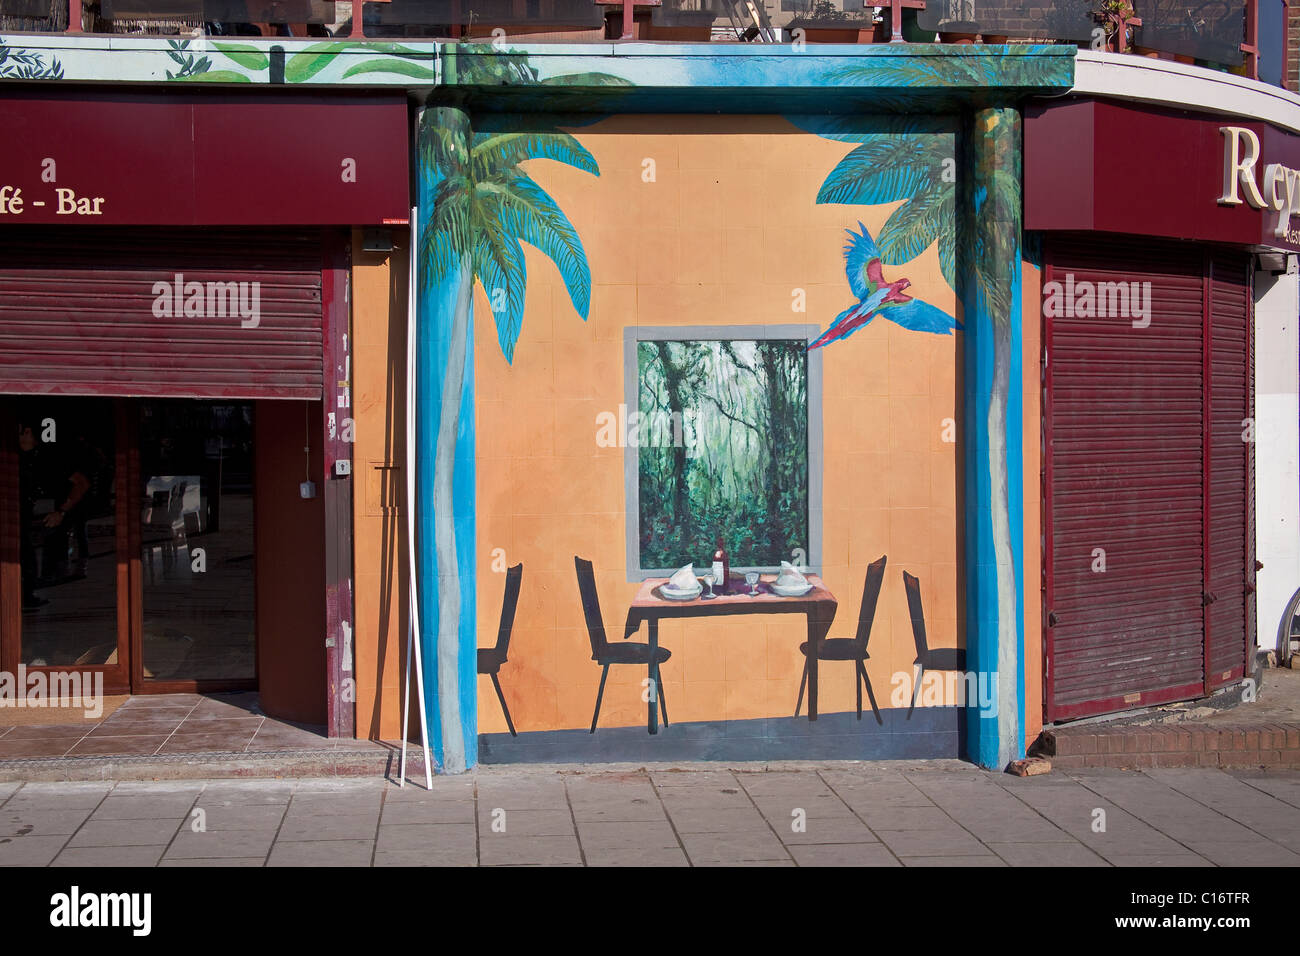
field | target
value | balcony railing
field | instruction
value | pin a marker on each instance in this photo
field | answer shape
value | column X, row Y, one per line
column 1241, row 36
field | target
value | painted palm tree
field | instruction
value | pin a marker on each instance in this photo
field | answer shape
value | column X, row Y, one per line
column 916, row 161
column 483, row 206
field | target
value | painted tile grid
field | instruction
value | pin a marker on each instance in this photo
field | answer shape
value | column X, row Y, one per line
column 534, row 407
column 943, row 814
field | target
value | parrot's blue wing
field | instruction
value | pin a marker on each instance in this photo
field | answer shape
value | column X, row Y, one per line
column 917, row 316
column 857, row 254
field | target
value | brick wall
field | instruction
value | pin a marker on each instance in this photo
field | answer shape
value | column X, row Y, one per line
column 1293, row 47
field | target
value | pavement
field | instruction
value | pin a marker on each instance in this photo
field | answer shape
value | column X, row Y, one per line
column 906, row 813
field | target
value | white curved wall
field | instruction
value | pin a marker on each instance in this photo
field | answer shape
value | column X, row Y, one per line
column 1165, row 83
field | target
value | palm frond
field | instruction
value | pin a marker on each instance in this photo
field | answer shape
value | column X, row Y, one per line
column 913, row 226
column 533, row 216
column 499, row 265
column 494, row 151
column 886, row 169
column 446, row 237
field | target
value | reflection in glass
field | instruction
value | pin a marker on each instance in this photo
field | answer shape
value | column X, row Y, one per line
column 196, row 540
column 67, row 532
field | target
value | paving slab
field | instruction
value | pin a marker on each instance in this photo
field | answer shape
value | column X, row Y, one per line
column 220, row 844
column 322, row 853
column 125, row 833
column 529, row 851
column 26, row 822
column 844, row 854
column 90, row 856
column 428, row 837
column 30, row 850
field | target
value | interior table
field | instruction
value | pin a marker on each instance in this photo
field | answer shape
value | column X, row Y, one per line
column 818, row 606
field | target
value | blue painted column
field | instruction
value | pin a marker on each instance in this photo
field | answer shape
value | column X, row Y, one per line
column 994, row 459
column 444, row 430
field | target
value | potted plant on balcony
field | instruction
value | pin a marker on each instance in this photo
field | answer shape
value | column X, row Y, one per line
column 826, row 23
column 958, row 24
column 1117, row 18
column 684, row 21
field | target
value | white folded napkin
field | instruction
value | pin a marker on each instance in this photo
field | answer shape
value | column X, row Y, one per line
column 790, row 576
column 684, row 579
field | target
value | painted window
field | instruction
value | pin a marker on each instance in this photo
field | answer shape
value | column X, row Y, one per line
column 723, row 440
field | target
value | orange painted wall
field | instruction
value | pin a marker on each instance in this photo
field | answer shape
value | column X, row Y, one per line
column 378, row 455
column 724, row 235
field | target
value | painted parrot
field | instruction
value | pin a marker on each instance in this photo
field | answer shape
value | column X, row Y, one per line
column 878, row 297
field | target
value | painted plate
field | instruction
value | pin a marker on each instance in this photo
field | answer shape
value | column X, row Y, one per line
column 672, row 594
column 790, row 590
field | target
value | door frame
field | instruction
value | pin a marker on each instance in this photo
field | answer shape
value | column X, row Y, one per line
column 139, row 683
column 127, row 675
column 116, row 677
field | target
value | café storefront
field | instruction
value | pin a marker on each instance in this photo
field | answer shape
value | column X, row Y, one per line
column 174, row 334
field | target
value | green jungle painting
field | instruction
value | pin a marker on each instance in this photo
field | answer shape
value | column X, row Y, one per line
column 723, row 451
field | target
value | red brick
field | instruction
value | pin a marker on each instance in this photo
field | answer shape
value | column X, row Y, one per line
column 1174, row 759
column 1250, row 739
column 1211, row 740
column 1086, row 744
column 1293, row 737
column 1196, row 739
column 1208, row 759
column 1133, row 743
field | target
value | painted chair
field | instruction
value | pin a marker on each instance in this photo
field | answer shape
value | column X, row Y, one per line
column 605, row 653
column 927, row 658
column 490, row 659
column 852, row 648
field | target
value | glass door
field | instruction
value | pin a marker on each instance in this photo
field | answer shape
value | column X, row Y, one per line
column 194, row 485
column 71, row 574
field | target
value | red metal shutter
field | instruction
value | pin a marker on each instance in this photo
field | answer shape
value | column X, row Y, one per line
column 1230, row 567
column 79, row 312
column 1123, row 464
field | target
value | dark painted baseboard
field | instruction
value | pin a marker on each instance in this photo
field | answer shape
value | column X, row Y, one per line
column 931, row 732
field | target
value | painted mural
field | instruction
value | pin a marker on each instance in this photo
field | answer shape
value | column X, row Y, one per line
column 477, row 205
column 723, row 453
column 17, row 63
column 610, row 510
column 877, row 297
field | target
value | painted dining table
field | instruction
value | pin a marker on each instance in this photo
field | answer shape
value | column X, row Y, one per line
column 818, row 606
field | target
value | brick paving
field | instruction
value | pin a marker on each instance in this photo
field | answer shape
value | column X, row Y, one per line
column 933, row 813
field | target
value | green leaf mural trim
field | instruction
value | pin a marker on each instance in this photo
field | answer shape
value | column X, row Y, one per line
column 399, row 67
column 248, row 57
column 587, row 79
column 216, row 76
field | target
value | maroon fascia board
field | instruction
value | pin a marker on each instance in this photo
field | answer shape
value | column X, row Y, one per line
column 1097, row 165
column 207, row 158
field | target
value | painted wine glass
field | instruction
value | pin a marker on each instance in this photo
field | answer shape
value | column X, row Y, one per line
column 751, row 578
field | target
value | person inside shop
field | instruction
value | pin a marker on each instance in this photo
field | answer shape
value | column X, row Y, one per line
column 43, row 473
